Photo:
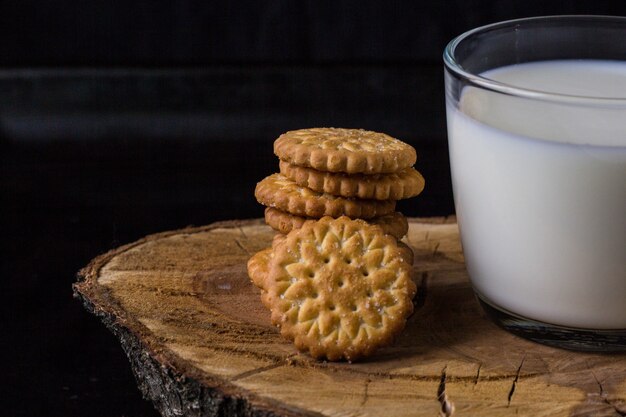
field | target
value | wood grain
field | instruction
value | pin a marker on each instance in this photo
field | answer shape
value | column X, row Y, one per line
column 200, row 342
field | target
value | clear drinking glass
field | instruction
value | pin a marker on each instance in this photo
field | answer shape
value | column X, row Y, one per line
column 536, row 112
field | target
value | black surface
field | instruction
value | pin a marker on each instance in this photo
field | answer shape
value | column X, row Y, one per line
column 239, row 103
column 196, row 32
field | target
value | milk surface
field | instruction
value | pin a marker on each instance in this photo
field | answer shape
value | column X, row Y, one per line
column 540, row 192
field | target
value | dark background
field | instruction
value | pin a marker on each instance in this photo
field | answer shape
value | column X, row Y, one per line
column 120, row 119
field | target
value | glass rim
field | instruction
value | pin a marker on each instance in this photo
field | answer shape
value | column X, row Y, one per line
column 486, row 83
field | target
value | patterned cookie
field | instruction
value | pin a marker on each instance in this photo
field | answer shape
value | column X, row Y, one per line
column 283, row 222
column 407, row 252
column 344, row 150
column 278, row 237
column 258, row 267
column 339, row 288
column 394, row 224
column 258, row 264
column 280, row 192
column 397, row 186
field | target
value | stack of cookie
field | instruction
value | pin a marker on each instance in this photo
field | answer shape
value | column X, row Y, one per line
column 337, row 278
column 339, row 172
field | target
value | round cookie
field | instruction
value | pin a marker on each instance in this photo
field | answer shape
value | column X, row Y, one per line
column 394, row 224
column 283, row 222
column 258, row 267
column 344, row 150
column 408, row 254
column 339, row 288
column 280, row 192
column 396, row 186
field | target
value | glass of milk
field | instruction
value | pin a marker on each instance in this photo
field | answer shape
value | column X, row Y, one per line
column 536, row 112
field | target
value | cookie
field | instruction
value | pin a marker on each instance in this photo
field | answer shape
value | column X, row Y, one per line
column 339, row 288
column 396, row 186
column 283, row 222
column 394, row 224
column 277, row 238
column 258, row 267
column 344, row 150
column 408, row 254
column 280, row 192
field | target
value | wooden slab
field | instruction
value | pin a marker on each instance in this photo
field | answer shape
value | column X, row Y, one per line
column 200, row 341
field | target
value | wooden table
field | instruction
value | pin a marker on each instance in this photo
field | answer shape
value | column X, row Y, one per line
column 200, row 342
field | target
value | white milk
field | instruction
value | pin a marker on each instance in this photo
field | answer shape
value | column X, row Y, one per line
column 540, row 192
